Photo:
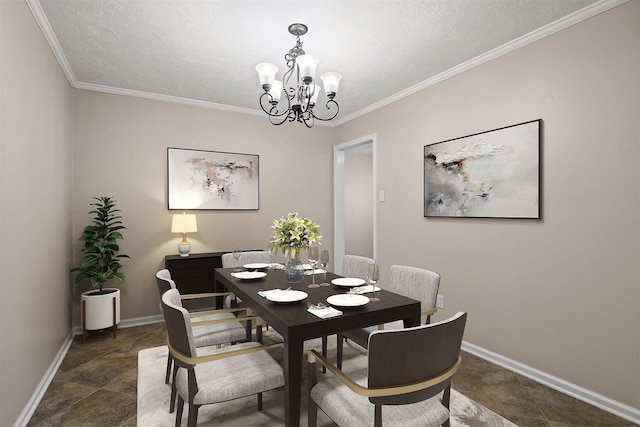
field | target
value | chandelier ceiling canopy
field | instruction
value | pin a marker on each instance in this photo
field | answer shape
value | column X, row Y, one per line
column 294, row 97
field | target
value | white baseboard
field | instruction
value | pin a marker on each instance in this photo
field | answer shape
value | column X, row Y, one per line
column 129, row 323
column 35, row 399
column 599, row 401
column 592, row 398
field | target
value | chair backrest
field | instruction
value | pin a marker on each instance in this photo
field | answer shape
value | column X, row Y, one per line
column 164, row 281
column 416, row 283
column 406, row 356
column 248, row 257
column 178, row 323
column 356, row 266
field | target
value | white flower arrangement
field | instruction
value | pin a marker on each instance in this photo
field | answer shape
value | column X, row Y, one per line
column 293, row 234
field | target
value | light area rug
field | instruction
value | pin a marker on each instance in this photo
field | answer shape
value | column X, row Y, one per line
column 154, row 395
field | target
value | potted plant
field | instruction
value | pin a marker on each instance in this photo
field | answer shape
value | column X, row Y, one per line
column 100, row 263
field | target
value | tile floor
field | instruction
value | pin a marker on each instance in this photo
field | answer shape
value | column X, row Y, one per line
column 96, row 386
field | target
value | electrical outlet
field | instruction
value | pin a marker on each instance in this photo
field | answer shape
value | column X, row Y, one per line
column 440, row 301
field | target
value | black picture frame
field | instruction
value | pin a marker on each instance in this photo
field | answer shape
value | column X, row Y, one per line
column 491, row 174
column 212, row 180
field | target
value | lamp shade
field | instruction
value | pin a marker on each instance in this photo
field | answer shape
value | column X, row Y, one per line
column 184, row 223
column 331, row 81
column 267, row 73
column 276, row 90
column 307, row 64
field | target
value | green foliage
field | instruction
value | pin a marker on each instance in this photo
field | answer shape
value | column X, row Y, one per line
column 100, row 261
column 292, row 234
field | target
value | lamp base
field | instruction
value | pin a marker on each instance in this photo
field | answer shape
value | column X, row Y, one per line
column 184, row 249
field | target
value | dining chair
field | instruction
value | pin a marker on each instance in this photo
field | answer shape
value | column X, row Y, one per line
column 217, row 376
column 408, row 373
column 211, row 327
column 247, row 257
column 412, row 282
column 356, row 266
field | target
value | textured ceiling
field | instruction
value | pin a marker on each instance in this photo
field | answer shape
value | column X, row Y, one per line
column 204, row 51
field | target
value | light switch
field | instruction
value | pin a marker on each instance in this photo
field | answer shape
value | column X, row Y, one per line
column 381, row 196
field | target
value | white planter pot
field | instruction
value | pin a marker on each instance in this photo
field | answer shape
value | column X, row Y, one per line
column 97, row 310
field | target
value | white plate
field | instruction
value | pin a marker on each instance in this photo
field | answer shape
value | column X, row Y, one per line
column 287, row 296
column 347, row 300
column 256, row 266
column 249, row 275
column 348, row 281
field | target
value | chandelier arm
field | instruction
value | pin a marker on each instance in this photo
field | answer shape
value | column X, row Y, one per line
column 273, row 109
column 284, row 117
column 333, row 103
column 308, row 120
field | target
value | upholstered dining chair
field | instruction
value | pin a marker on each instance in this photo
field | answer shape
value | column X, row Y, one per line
column 247, row 257
column 407, row 380
column 412, row 282
column 211, row 327
column 355, row 266
column 221, row 375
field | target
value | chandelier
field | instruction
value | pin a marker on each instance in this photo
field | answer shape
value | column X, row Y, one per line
column 294, row 98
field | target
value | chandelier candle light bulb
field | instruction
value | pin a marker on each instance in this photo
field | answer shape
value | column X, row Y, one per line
column 294, row 98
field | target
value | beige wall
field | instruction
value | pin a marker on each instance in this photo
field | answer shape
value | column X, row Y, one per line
column 561, row 294
column 121, row 151
column 35, row 201
column 358, row 204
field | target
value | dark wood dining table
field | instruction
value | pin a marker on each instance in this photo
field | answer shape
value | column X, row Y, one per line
column 296, row 324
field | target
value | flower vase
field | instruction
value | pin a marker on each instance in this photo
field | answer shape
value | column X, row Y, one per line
column 293, row 269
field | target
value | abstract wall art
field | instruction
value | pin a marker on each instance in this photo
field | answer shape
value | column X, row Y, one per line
column 492, row 174
column 200, row 179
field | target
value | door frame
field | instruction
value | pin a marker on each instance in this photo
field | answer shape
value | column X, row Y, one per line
column 339, row 151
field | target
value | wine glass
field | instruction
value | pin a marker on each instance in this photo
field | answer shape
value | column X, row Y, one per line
column 237, row 254
column 373, row 275
column 313, row 261
column 324, row 263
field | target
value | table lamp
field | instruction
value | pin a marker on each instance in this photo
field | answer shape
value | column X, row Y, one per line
column 183, row 223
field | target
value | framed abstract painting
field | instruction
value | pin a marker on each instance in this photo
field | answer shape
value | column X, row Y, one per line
column 200, row 179
column 492, row 174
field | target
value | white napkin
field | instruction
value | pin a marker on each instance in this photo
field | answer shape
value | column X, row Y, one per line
column 265, row 293
column 277, row 266
column 364, row 289
column 324, row 313
column 310, row 272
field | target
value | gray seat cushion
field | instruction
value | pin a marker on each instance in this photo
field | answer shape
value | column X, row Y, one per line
column 347, row 408
column 217, row 333
column 232, row 378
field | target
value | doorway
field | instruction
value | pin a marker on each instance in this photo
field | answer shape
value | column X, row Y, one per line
column 362, row 148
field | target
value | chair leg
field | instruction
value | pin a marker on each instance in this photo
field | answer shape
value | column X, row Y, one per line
column 339, row 344
column 169, row 364
column 259, row 401
column 312, row 407
column 174, row 390
column 377, row 420
column 192, row 419
column 312, row 419
column 179, row 411
column 324, row 351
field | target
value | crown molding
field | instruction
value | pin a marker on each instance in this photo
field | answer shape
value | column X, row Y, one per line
column 574, row 18
column 531, row 37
